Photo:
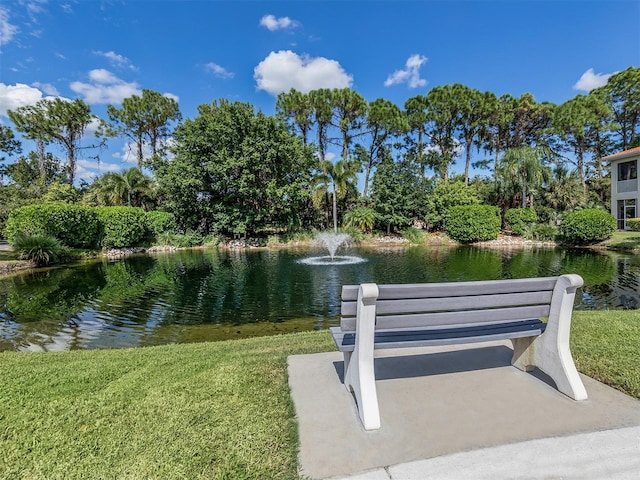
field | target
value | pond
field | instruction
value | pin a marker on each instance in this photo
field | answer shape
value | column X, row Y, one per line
column 202, row 295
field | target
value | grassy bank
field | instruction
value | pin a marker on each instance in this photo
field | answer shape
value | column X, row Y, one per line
column 605, row 346
column 624, row 240
column 209, row 410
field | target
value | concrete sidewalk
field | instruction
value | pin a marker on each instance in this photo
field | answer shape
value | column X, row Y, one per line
column 460, row 412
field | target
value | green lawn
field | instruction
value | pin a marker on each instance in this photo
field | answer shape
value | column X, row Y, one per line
column 623, row 240
column 210, row 410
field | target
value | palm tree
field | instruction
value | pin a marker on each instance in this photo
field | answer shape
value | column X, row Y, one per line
column 130, row 188
column 523, row 168
column 337, row 178
column 564, row 191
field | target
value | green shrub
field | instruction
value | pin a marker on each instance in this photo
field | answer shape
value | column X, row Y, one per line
column 160, row 222
column 363, row 218
column 40, row 249
column 519, row 218
column 588, row 226
column 546, row 214
column 73, row 225
column 356, row 234
column 473, row 223
column 633, row 224
column 542, row 232
column 444, row 196
column 414, row 235
column 121, row 226
column 212, row 240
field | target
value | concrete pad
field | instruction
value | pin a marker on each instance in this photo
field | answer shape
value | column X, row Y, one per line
column 437, row 401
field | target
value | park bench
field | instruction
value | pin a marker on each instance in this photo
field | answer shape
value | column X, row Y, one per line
column 429, row 314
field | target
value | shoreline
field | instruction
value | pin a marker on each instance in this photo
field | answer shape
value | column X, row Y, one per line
column 507, row 242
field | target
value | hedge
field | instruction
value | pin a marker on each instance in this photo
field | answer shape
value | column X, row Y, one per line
column 519, row 218
column 633, row 224
column 473, row 223
column 73, row 225
column 160, row 222
column 588, row 226
column 121, row 226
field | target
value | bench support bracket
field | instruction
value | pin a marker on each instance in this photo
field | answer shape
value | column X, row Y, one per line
column 359, row 374
column 550, row 351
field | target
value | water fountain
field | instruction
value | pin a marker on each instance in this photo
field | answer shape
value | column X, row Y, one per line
column 332, row 241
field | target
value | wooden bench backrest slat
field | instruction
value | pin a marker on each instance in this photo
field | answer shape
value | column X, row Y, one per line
column 459, row 303
column 452, row 318
column 415, row 305
column 454, row 289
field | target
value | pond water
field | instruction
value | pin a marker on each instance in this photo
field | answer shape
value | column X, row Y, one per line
column 202, row 295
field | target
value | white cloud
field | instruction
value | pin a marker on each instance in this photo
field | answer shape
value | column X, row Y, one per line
column 47, row 88
column 171, row 95
column 411, row 74
column 105, row 87
column 284, row 70
column 116, row 60
column 89, row 169
column 218, row 70
column 7, row 30
column 272, row 23
column 590, row 80
column 16, row 96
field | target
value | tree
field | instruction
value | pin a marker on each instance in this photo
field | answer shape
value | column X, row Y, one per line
column 622, row 94
column 384, row 122
column 8, row 142
column 26, row 174
column 145, row 120
column 494, row 132
column 59, row 121
column 398, row 193
column 336, row 179
column 530, row 121
column 130, row 187
column 236, row 171
column 443, row 119
column 415, row 111
column 580, row 124
column 523, row 168
column 563, row 191
column 472, row 113
column 8, row 145
column 295, row 109
column 350, row 110
column 322, row 104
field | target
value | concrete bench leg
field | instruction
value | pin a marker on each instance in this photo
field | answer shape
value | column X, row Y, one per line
column 550, row 351
column 359, row 369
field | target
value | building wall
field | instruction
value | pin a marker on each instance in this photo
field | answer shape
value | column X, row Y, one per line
column 624, row 190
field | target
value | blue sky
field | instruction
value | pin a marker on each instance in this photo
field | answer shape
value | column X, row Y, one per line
column 200, row 51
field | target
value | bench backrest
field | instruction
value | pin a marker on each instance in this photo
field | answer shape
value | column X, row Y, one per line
column 453, row 303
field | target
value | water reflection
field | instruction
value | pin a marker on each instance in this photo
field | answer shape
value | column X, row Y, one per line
column 209, row 295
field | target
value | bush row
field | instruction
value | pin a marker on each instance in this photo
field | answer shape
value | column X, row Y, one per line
column 474, row 223
column 79, row 226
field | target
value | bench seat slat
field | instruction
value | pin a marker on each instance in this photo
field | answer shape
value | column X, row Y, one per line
column 452, row 318
column 345, row 341
column 384, row 307
column 450, row 289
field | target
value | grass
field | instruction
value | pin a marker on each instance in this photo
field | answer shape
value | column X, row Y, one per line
column 606, row 346
column 623, row 240
column 207, row 410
